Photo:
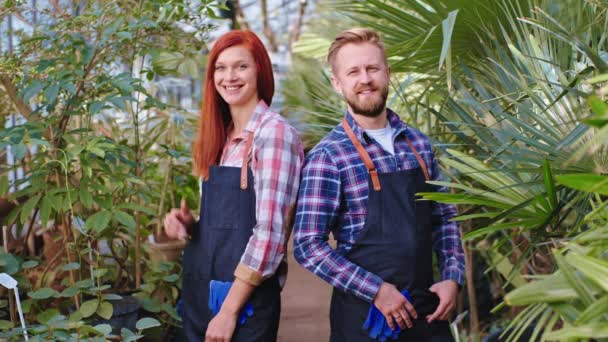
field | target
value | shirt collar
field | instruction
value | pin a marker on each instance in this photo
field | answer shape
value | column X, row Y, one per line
column 397, row 125
column 256, row 119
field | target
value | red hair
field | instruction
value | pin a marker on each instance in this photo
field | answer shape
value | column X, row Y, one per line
column 215, row 114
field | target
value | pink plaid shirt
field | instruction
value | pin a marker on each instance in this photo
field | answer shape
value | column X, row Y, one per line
column 276, row 160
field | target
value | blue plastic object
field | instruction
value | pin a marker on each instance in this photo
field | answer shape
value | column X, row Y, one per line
column 178, row 307
column 377, row 326
column 218, row 290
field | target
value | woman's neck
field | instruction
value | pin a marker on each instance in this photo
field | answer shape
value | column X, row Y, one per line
column 242, row 114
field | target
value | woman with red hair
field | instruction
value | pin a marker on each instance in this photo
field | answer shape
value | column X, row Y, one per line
column 249, row 161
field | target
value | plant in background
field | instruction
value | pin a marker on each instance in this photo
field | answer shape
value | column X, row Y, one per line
column 86, row 82
column 572, row 302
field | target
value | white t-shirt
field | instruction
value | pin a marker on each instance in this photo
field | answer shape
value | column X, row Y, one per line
column 384, row 136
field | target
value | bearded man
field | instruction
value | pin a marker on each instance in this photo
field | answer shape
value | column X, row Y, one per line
column 360, row 183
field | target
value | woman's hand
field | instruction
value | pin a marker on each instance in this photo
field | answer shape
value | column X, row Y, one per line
column 178, row 222
column 221, row 327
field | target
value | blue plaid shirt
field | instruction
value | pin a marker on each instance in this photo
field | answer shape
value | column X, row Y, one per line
column 333, row 198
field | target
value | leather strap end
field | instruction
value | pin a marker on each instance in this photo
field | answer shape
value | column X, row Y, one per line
column 375, row 179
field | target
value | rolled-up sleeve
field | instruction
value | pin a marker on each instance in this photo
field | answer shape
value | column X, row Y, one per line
column 447, row 242
column 278, row 157
column 317, row 212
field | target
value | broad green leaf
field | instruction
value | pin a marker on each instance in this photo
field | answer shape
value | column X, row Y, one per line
column 28, row 207
column 19, row 151
column 99, row 221
column 124, row 218
column 6, row 325
column 51, row 92
column 552, row 288
column 47, row 315
column 75, row 316
column 105, row 329
column 587, row 182
column 99, row 288
column 85, row 197
column 29, row 264
column 474, row 216
column 95, row 107
column 525, row 224
column 188, row 67
column 136, row 207
column 171, row 278
column 97, row 151
column 598, row 79
column 43, row 293
column 575, row 282
column 146, row 323
column 549, row 183
column 593, row 311
column 70, row 292
column 128, row 335
column 118, row 102
column 595, row 269
column 111, row 296
column 105, row 310
column 3, row 185
column 8, row 263
column 100, row 272
column 447, row 28
column 599, row 107
column 32, row 90
column 503, row 265
column 26, row 305
column 594, row 330
column 150, row 304
column 84, row 283
column 46, row 206
column 12, row 216
column 71, row 266
column 89, row 307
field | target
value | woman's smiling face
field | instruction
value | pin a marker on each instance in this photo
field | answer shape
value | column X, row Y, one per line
column 235, row 76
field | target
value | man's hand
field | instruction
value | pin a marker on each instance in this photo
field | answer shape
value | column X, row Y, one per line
column 447, row 291
column 394, row 306
column 221, row 327
column 178, row 221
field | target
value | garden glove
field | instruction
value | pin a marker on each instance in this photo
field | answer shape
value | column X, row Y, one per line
column 378, row 327
column 218, row 290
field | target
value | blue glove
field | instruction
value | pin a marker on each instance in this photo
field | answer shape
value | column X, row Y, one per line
column 378, row 327
column 218, row 290
column 178, row 307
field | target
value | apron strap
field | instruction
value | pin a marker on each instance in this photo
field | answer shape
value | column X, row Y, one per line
column 419, row 158
column 248, row 145
column 368, row 161
column 369, row 164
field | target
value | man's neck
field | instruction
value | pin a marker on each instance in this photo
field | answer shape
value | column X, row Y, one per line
column 367, row 122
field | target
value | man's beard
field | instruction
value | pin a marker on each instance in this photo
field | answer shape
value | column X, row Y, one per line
column 371, row 108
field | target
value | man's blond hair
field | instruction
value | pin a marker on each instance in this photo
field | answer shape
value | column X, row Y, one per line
column 355, row 35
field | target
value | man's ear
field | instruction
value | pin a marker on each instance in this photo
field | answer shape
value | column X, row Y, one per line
column 336, row 84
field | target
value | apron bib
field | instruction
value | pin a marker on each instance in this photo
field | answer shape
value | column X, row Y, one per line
column 395, row 244
column 227, row 218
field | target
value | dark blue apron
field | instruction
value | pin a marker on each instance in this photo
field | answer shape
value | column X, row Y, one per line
column 395, row 244
column 227, row 218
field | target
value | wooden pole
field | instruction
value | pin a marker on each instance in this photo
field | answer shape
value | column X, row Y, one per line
column 470, row 278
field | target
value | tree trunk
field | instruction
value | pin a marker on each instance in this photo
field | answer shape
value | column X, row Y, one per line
column 268, row 33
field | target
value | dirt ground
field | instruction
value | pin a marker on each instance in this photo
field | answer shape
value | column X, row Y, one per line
column 305, row 306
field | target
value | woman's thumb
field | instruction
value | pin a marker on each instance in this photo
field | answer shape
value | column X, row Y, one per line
column 184, row 207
